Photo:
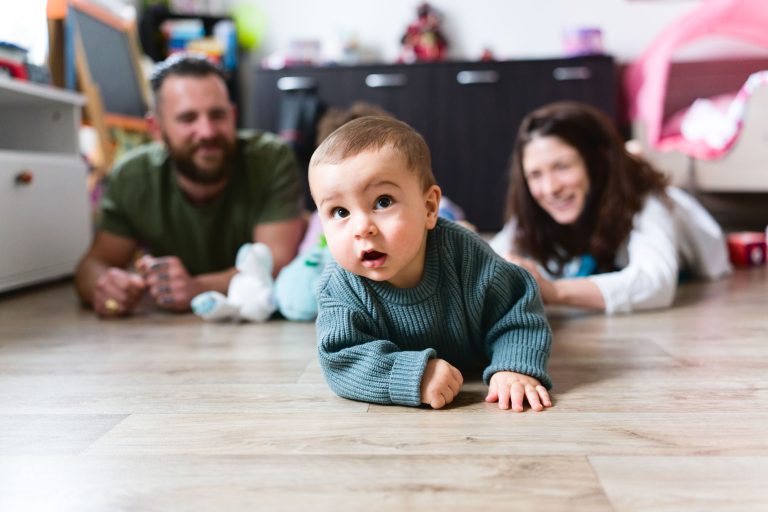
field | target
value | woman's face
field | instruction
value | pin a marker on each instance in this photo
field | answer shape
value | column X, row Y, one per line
column 557, row 178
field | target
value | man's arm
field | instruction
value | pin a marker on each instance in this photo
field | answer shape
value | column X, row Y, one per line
column 282, row 238
column 101, row 279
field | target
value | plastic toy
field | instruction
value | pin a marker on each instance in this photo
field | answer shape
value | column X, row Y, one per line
column 747, row 248
column 250, row 294
column 423, row 40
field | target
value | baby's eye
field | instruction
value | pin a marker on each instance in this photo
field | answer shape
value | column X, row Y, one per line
column 339, row 213
column 384, row 202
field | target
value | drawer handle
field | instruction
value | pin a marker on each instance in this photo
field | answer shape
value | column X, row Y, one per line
column 572, row 73
column 296, row 83
column 477, row 77
column 378, row 80
column 24, row 177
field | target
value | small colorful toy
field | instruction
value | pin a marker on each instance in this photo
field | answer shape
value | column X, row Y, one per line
column 747, row 248
column 423, row 40
column 250, row 295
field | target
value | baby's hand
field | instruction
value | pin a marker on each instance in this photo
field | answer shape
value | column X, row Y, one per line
column 440, row 384
column 511, row 389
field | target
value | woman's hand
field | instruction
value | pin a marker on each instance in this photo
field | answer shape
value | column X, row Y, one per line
column 546, row 286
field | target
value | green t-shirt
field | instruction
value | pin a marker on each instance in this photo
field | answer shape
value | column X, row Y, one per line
column 142, row 201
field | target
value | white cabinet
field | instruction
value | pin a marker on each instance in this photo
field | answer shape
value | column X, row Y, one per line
column 44, row 213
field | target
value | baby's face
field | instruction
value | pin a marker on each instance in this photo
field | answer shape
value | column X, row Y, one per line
column 375, row 215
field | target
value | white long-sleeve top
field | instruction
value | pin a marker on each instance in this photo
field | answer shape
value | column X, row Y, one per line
column 663, row 241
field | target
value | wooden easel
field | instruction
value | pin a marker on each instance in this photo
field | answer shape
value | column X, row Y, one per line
column 94, row 111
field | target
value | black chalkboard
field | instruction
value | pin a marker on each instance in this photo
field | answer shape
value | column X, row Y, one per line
column 111, row 62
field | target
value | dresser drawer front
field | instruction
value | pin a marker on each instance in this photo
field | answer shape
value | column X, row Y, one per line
column 44, row 219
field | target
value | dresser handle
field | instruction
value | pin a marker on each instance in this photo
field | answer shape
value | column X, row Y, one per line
column 296, row 83
column 477, row 77
column 378, row 80
column 24, row 177
column 572, row 73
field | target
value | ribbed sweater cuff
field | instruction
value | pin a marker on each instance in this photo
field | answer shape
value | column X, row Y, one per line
column 405, row 377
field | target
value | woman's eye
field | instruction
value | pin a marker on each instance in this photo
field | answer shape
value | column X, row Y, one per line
column 384, row 202
column 533, row 175
column 339, row 213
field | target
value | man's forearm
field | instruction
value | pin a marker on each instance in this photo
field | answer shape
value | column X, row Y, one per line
column 88, row 271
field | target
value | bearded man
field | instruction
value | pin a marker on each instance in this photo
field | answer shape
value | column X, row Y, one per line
column 190, row 199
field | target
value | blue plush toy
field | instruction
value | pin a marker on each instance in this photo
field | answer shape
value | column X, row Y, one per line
column 295, row 285
column 250, row 293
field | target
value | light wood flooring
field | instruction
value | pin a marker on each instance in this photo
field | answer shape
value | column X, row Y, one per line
column 161, row 412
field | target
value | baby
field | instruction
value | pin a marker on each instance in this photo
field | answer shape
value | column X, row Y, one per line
column 413, row 300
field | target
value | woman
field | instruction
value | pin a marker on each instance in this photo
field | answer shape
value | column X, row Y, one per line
column 597, row 226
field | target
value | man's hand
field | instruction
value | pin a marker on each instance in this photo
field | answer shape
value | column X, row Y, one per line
column 512, row 389
column 440, row 384
column 117, row 292
column 170, row 285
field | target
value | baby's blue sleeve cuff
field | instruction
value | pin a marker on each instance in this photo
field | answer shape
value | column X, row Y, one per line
column 405, row 377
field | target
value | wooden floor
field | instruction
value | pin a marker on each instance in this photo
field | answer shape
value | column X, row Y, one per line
column 657, row 411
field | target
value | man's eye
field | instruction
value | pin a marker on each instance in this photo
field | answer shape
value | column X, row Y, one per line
column 384, row 202
column 339, row 213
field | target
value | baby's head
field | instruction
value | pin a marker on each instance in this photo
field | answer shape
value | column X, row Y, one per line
column 376, row 195
column 374, row 133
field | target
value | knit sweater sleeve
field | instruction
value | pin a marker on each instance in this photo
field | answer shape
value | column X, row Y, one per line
column 359, row 362
column 518, row 335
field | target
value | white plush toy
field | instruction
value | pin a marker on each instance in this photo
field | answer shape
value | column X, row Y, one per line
column 250, row 296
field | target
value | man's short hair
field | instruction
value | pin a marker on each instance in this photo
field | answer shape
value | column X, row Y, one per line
column 183, row 64
column 373, row 133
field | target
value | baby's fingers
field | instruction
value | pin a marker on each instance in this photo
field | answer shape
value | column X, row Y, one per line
column 493, row 394
column 544, row 395
column 516, row 396
column 532, row 394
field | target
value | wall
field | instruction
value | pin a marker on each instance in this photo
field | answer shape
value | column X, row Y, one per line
column 511, row 28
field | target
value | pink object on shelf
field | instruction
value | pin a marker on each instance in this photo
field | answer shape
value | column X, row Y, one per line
column 646, row 79
column 582, row 41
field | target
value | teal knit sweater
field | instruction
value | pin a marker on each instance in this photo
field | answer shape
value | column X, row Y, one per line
column 472, row 308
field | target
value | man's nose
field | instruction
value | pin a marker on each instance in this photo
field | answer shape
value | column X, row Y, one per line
column 205, row 127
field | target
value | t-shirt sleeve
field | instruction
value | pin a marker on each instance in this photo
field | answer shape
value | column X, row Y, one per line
column 284, row 191
column 114, row 215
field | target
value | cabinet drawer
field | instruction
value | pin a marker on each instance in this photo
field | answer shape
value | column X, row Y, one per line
column 44, row 220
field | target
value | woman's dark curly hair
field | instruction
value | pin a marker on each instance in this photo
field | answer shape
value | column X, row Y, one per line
column 619, row 184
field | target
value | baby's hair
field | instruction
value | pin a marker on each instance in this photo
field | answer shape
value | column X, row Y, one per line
column 375, row 133
column 335, row 117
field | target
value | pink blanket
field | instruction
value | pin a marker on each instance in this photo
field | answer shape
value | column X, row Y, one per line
column 646, row 78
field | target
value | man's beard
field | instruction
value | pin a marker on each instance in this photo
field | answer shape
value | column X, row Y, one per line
column 183, row 161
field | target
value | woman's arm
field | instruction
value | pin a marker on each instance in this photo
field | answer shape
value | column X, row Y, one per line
column 649, row 279
column 581, row 292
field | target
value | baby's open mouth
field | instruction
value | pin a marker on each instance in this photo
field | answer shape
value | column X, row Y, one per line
column 372, row 255
column 373, row 259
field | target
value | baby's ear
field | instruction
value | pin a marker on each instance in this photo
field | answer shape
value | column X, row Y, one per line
column 432, row 202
